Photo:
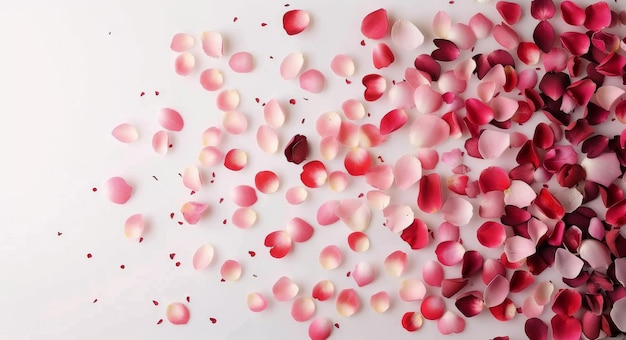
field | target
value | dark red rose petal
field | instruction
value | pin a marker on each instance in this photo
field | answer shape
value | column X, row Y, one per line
column 416, row 235
column 446, row 50
column 542, row 9
column 544, row 36
column 297, row 149
column 429, row 65
column 536, row 329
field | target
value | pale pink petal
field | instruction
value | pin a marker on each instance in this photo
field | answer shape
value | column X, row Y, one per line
column 274, row 114
column 441, row 24
column 450, row 323
column 519, row 194
column 369, row 136
column 618, row 314
column 457, row 211
column 342, row 65
column 235, row 159
column 464, row 69
column 329, row 147
column 375, row 24
column 320, row 329
column 353, row 109
column 492, row 205
column 486, row 90
column 603, row 169
column 227, row 100
column 211, row 136
column 284, row 289
column 330, row 257
column 357, row 161
column 299, row 230
column 192, row 211
column 428, row 130
column 449, row 83
column 530, row 307
column 291, row 65
column 432, row 272
column 400, row 95
column 230, row 270
column 406, row 35
column 536, row 230
column 134, row 226
column 380, row 302
column 398, row 217
column 447, row 232
column 348, row 134
column 170, row 119
column 296, row 195
column 212, row 44
column 543, row 292
column 395, row 263
column 192, row 179
column 241, row 62
column 363, row 274
column 518, row 248
column 347, row 303
column 496, row 291
column 462, row 35
column 412, row 321
column 244, row 217
column 596, row 229
column 313, row 81
column 161, row 142
column 328, row 124
column 407, row 171
column 323, row 290
column 295, row 21
column 326, row 213
column 416, row 77
column 358, row 242
column 449, row 253
column 382, row 56
column 426, row 99
column 267, row 139
column 354, row 214
column 209, row 156
column 411, row 290
column 432, row 307
column 492, row 143
column 504, row 108
column 505, row 36
column 181, row 42
column 480, row 25
column 302, row 309
column 125, row 133
column 380, row 177
column 211, row 79
column 607, row 95
column 596, row 254
column 177, row 313
column 377, row 200
column 184, row 64
column 203, row 257
column 256, row 302
column 567, row 264
column 491, row 269
column 234, row 122
column 244, row 195
column 117, row 190
column 279, row 242
column 620, row 270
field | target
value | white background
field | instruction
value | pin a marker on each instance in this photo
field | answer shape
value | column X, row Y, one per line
column 72, row 70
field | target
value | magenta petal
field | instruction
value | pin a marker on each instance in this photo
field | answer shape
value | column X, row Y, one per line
column 576, row 43
column 572, row 13
column 542, row 9
column 597, row 16
column 375, row 24
column 449, row 253
column 429, row 198
column 567, row 302
column 469, row 305
column 382, row 56
column 511, row 12
column 417, row 236
column 565, row 328
column 536, row 329
column 393, row 121
column 478, row 112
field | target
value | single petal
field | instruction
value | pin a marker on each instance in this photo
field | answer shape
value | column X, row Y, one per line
column 428, row 130
column 519, row 194
column 591, row 325
column 603, row 169
column 380, row 302
column 596, row 254
column 576, row 43
column 478, row 112
column 429, row 197
column 572, row 13
column 429, row 67
column 441, row 24
column 211, row 79
column 244, row 195
column 177, row 313
column 160, row 142
column 347, row 303
column 357, row 161
column 480, row 25
column 412, row 290
column 543, row 292
column 432, row 307
column 295, row 21
column 184, row 64
column 446, row 50
column 521, row 280
column 320, row 329
column 531, row 309
column 491, row 143
column 536, row 329
column 375, row 24
column 299, row 230
column 377, row 199
column 398, row 217
column 170, row 119
column 511, row 12
column 323, row 290
column 369, row 136
column 244, row 217
column 426, row 99
column 472, row 263
column 125, row 133
column 567, row 302
column 462, row 35
column 412, row 321
column 230, row 270
column 597, row 16
column 212, row 44
column 326, row 213
column 449, row 287
column 496, row 291
column 494, row 178
column 212, row 136
column 392, row 121
column 266, row 182
column 203, row 257
column 504, row 311
column 358, row 242
column 382, row 56
column 192, row 179
column 457, row 211
column 291, row 65
column 565, row 328
column 469, row 304
column 118, row 190
column 407, row 171
column 274, row 114
column 375, row 86
column 449, row 253
column 450, row 323
column 618, row 314
column 506, row 36
column 348, row 134
column 491, row 234
column 363, row 274
column 134, row 226
column 518, row 248
column 284, row 289
column 432, row 272
column 395, row 263
column 353, row 109
column 313, row 174
column 256, row 302
column 227, row 100
column 330, row 257
column 279, row 242
column 607, row 95
column 342, row 65
column 416, row 234
column 542, row 10
column 355, row 214
column 313, row 81
column 297, row 195
column 181, row 42
column 267, row 139
column 406, row 35
column 302, row 309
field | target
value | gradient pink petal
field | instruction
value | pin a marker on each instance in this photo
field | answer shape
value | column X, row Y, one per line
column 449, row 253
column 297, row 195
column 231, row 270
column 244, row 218
column 407, row 171
column 303, row 309
column 192, row 179
column 134, row 226
column 411, row 290
column 279, row 242
column 284, row 289
column 363, row 274
column 406, row 35
column 256, row 302
column 181, row 42
column 117, row 190
column 358, row 242
column 203, row 257
column 295, row 21
column 320, row 329
column 375, row 24
column 457, row 211
column 347, row 303
column 184, row 63
column 330, row 257
column 312, row 81
column 432, row 272
column 160, row 142
column 323, row 290
column 450, row 323
column 177, row 313
column 291, row 65
column 342, row 65
column 267, row 139
column 125, row 133
column 212, row 44
column 299, row 230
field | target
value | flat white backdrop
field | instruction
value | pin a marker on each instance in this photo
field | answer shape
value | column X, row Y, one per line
column 72, row 70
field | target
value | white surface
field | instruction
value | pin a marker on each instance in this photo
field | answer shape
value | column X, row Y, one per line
column 72, row 70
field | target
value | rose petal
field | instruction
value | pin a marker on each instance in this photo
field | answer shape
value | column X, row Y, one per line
column 297, row 195
column 244, row 195
column 392, row 121
column 597, row 16
column 429, row 198
column 323, row 290
column 212, row 44
column 230, row 270
column 480, row 25
column 177, row 313
column 496, row 291
column 457, row 211
column 302, row 309
column 330, row 257
column 363, row 274
column 314, row 174
column 596, row 254
column 382, row 56
column 358, row 242
column 375, row 24
column 353, row 109
column 426, row 99
column 267, row 139
column 184, row 64
column 607, row 95
column 117, row 190
column 192, row 179
column 406, row 35
column 256, row 302
column 505, row 36
column 510, row 11
column 347, row 303
column 380, row 302
column 416, row 234
column 181, row 42
column 244, row 218
column 291, row 65
column 320, row 329
column 491, row 234
column 462, row 35
column 279, row 242
column 449, row 253
column 565, row 328
column 134, row 226
column 412, row 290
column 618, row 314
column 432, row 272
column 518, row 248
column 357, row 161
column 354, row 214
column 284, row 289
column 211, row 79
column 572, row 13
column 342, row 65
column 375, row 86
column 450, row 323
column 543, row 292
column 428, row 130
column 203, row 257
column 170, row 119
column 407, row 171
column 412, row 321
column 295, row 21
column 266, row 182
column 125, row 133
column 299, row 230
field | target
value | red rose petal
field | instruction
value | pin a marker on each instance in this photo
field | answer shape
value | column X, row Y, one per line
column 429, row 198
column 295, row 21
column 412, row 321
column 572, row 13
column 313, row 174
column 565, row 328
column 382, row 56
column 597, row 16
column 375, row 24
column 510, row 11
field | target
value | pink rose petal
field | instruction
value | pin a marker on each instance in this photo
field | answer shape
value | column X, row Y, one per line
column 596, row 254
column 462, row 35
column 357, row 161
column 125, row 133
column 353, row 109
column 177, row 313
column 291, row 65
column 398, row 217
column 457, row 211
column 358, row 242
column 450, row 323
column 429, row 199
column 181, row 42
column 347, row 303
column 230, row 270
column 382, row 56
column 279, row 242
column 597, row 16
column 160, row 142
column 432, row 272
column 170, row 119
column 395, row 263
column 241, row 62
column 212, row 136
column 449, row 253
column 572, row 13
column 302, row 309
column 330, row 257
column 412, row 290
column 412, row 321
column 375, row 24
column 506, row 36
column 211, row 79
column 518, row 248
column 244, row 218
column 184, row 64
column 342, row 65
column 227, row 100
column 480, row 25
column 234, row 122
column 284, row 289
column 363, row 274
column 267, row 139
column 406, row 35
column 607, row 95
column 496, row 291
column 320, row 329
column 203, row 257
column 407, row 171
column 297, row 195
column 312, row 81
column 244, row 195
column 491, row 234
column 428, row 130
column 299, row 230
column 380, row 302
column 375, row 86
column 210, row 156
column 511, row 12
column 355, row 214
column 323, row 290
column 328, row 124
column 426, row 99
column 134, row 226
column 256, row 302
column 432, row 307
column 618, row 314
column 274, row 114
column 212, row 44
column 392, row 121
column 192, row 179
column 441, row 24
column 117, row 190
column 192, row 211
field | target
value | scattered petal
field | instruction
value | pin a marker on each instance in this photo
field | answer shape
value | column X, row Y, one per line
column 279, row 243
column 134, row 226
column 342, row 65
column 184, row 64
column 211, row 79
column 302, row 309
column 177, row 313
column 358, row 242
column 295, row 21
column 323, row 290
column 412, row 321
column 203, row 257
column 256, row 302
column 292, row 64
column 244, row 217
column 125, row 133
column 118, row 190
column 212, row 44
column 363, row 274
column 375, row 24
column 267, row 139
column 299, row 230
column 406, row 35
column 320, row 329
column 230, row 270
column 330, row 257
column 181, row 42
column 450, row 323
column 284, row 289
column 380, row 302
column 412, row 290
column 347, row 303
